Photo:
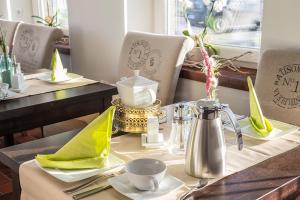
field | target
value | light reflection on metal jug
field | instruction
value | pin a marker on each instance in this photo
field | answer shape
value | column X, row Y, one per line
column 206, row 148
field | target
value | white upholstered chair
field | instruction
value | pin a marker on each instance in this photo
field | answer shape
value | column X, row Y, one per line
column 8, row 28
column 33, row 46
column 278, row 85
column 158, row 57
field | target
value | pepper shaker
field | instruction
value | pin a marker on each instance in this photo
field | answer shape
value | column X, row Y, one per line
column 181, row 127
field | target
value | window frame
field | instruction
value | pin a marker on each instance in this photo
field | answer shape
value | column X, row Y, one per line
column 38, row 9
column 161, row 24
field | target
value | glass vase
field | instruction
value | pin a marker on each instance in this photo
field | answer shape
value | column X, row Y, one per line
column 6, row 69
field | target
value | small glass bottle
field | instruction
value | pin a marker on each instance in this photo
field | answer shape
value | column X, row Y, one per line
column 181, row 127
column 6, row 69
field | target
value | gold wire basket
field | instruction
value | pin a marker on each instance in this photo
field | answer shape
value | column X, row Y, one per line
column 134, row 120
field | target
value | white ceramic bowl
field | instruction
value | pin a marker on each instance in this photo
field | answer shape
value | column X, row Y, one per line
column 137, row 91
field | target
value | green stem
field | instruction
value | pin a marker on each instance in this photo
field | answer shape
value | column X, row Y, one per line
column 6, row 61
column 206, row 21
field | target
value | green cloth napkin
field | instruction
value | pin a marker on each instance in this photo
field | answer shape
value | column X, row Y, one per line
column 88, row 149
column 58, row 71
column 261, row 125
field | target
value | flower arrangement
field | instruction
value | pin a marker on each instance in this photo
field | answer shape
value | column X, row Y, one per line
column 201, row 37
column 51, row 21
column 4, row 48
column 211, row 70
column 5, row 61
column 210, row 63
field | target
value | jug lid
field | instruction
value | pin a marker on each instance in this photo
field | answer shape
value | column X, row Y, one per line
column 207, row 109
column 136, row 80
column 208, row 104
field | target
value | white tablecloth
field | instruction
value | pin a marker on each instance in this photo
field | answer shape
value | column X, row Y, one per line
column 37, row 185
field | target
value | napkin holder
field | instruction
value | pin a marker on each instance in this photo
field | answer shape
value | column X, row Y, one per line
column 134, row 120
column 153, row 145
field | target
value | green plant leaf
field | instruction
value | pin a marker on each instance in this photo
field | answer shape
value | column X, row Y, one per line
column 186, row 33
column 54, row 18
column 40, row 22
column 38, row 17
column 204, row 33
column 211, row 49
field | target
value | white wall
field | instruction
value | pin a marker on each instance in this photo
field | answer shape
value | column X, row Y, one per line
column 97, row 29
column 3, row 10
column 281, row 24
column 140, row 15
column 21, row 10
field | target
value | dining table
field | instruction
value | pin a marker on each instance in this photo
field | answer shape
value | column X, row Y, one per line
column 264, row 169
column 43, row 103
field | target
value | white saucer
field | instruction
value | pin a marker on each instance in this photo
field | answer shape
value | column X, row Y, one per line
column 47, row 78
column 279, row 129
column 81, row 174
column 121, row 184
column 145, row 144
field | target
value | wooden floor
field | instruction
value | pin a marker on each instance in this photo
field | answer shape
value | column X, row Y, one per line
column 5, row 176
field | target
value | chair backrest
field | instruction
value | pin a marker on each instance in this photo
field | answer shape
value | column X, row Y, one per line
column 158, row 57
column 34, row 44
column 278, row 85
column 8, row 28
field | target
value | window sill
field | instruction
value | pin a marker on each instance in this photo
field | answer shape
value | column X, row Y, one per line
column 63, row 49
column 229, row 78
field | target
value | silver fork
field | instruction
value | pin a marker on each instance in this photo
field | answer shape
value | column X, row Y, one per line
column 90, row 182
column 202, row 183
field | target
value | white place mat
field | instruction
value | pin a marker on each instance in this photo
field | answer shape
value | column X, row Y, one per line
column 35, row 87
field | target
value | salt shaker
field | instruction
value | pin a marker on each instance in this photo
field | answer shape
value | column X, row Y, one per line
column 152, row 139
column 18, row 78
column 181, row 127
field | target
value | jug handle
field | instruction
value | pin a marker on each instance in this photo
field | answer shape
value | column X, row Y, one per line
column 235, row 124
column 151, row 93
column 196, row 111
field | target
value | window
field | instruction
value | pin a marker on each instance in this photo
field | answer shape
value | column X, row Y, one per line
column 234, row 23
column 46, row 8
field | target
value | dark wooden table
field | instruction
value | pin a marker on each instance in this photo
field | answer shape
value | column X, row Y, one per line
column 43, row 109
column 275, row 178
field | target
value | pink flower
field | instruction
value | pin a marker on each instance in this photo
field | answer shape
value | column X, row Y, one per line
column 207, row 64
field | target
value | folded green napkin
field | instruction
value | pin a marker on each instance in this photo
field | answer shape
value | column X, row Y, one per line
column 88, row 149
column 261, row 125
column 58, row 71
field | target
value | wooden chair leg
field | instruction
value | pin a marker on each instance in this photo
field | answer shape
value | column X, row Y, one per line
column 16, row 186
column 9, row 140
column 42, row 131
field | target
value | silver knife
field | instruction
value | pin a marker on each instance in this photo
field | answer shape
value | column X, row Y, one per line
column 91, row 192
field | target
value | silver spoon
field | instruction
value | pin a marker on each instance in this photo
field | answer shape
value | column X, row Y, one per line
column 202, row 182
